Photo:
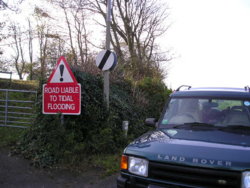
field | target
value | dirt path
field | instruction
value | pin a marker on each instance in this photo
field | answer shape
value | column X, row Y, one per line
column 17, row 172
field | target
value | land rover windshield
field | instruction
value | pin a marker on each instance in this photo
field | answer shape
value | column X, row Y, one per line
column 208, row 119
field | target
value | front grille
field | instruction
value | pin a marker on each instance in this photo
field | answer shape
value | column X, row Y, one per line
column 194, row 176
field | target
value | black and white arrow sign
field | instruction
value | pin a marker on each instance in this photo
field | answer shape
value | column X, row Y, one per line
column 106, row 60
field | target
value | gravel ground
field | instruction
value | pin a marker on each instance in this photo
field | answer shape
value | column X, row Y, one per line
column 17, row 172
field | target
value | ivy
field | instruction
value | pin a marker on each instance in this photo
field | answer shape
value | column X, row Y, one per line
column 96, row 131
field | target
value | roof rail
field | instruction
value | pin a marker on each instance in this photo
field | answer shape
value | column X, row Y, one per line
column 188, row 87
column 247, row 88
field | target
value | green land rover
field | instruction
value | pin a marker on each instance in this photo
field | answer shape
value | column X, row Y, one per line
column 202, row 139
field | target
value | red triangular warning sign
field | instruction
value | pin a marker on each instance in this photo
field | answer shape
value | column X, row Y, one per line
column 62, row 73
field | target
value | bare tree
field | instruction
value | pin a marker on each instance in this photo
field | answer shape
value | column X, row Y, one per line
column 18, row 48
column 81, row 33
column 135, row 28
column 43, row 41
column 42, row 35
column 31, row 37
column 70, row 34
column 2, row 24
column 14, row 7
column 75, row 17
column 6, row 5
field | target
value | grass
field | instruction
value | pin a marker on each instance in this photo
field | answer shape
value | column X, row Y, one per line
column 109, row 163
column 106, row 164
column 10, row 136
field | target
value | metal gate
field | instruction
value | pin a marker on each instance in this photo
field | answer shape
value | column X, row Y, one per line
column 17, row 107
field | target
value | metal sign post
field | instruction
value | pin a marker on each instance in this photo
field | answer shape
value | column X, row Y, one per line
column 106, row 73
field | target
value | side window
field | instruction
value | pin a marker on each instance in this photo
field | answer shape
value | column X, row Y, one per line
column 171, row 110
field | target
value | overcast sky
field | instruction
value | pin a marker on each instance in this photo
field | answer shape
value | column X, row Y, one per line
column 211, row 42
column 211, row 39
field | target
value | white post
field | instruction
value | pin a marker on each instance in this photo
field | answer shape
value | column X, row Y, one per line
column 125, row 128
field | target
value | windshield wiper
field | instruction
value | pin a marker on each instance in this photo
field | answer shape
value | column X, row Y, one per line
column 236, row 127
column 194, row 125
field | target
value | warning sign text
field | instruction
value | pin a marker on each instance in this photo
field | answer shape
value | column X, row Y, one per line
column 62, row 98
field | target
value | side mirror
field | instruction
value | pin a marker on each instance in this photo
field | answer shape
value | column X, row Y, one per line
column 152, row 122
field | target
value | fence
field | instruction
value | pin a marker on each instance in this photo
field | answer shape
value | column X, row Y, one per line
column 17, row 107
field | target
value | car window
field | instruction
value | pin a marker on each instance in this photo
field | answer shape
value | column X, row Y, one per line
column 217, row 112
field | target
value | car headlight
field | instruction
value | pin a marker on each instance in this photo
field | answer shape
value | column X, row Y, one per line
column 138, row 166
column 245, row 180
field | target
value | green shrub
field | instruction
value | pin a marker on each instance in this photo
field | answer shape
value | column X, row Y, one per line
column 156, row 92
column 96, row 131
column 18, row 84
